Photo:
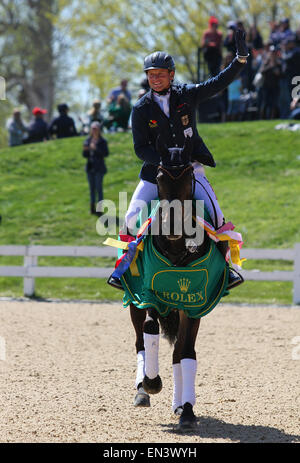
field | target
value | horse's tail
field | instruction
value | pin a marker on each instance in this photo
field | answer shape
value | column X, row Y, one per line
column 170, row 325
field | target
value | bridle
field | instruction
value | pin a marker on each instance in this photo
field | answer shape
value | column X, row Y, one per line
column 177, row 177
column 170, row 170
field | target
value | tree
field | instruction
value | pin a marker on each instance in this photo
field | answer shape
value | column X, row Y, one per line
column 27, row 42
column 115, row 36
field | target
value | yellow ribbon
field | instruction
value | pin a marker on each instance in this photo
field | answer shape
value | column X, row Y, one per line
column 233, row 244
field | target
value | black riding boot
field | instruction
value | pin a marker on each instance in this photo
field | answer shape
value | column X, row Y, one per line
column 234, row 278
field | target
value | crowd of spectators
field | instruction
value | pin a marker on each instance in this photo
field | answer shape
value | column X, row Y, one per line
column 115, row 118
column 38, row 130
column 264, row 88
column 262, row 91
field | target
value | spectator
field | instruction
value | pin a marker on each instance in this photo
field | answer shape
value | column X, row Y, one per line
column 212, row 46
column 95, row 113
column 291, row 59
column 255, row 45
column 295, row 109
column 271, row 72
column 275, row 34
column 290, row 68
column 16, row 129
column 119, row 113
column 115, row 92
column 285, row 31
column 38, row 128
column 234, row 102
column 229, row 42
column 226, row 61
column 62, row 126
column 95, row 149
column 254, row 38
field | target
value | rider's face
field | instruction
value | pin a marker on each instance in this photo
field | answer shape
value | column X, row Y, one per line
column 160, row 79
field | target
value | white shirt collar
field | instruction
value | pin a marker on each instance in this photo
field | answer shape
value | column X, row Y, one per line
column 163, row 101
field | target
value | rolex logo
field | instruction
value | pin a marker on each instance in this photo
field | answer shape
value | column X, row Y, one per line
column 184, row 284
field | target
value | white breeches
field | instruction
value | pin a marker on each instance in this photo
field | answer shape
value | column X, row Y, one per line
column 147, row 191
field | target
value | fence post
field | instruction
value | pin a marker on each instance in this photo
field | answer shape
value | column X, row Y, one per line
column 296, row 298
column 28, row 286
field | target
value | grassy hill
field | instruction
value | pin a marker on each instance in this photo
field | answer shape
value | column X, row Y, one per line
column 44, row 200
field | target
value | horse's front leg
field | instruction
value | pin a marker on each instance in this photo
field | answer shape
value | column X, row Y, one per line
column 138, row 317
column 184, row 371
column 152, row 381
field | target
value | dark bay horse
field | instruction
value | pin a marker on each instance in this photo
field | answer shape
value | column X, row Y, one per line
column 175, row 180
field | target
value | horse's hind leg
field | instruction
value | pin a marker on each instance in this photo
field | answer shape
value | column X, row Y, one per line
column 138, row 317
column 152, row 382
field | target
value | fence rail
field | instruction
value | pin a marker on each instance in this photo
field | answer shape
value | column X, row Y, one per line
column 30, row 270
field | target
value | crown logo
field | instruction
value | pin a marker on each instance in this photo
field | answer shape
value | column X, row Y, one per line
column 184, row 284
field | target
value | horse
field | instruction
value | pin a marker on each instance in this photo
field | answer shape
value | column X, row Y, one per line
column 175, row 180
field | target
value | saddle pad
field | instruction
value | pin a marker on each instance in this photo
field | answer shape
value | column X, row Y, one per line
column 196, row 288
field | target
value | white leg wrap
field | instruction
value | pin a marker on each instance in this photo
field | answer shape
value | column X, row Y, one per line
column 151, row 343
column 189, row 369
column 177, row 386
column 140, row 372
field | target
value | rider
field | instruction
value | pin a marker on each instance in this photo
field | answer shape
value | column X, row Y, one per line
column 170, row 109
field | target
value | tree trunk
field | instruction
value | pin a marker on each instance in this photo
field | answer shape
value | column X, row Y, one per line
column 29, row 62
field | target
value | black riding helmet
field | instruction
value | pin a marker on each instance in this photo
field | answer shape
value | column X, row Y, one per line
column 159, row 60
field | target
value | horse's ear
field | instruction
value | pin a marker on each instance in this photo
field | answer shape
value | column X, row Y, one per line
column 187, row 149
column 162, row 148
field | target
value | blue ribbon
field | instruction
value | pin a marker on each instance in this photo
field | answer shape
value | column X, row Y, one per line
column 128, row 257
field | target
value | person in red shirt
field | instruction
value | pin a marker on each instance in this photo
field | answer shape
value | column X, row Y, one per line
column 212, row 46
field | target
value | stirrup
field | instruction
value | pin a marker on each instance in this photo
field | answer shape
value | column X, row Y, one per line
column 235, row 278
column 115, row 283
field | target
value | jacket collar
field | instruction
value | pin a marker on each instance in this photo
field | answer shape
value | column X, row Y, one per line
column 173, row 99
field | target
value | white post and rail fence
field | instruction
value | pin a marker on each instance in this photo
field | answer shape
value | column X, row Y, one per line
column 30, row 270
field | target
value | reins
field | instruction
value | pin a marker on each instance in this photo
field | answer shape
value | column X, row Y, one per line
column 186, row 252
column 215, row 212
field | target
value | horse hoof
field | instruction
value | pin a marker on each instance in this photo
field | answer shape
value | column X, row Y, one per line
column 141, row 400
column 188, row 420
column 152, row 386
column 178, row 411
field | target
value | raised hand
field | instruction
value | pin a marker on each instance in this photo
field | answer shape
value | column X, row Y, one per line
column 240, row 41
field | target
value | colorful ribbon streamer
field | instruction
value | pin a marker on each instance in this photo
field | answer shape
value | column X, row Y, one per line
column 226, row 233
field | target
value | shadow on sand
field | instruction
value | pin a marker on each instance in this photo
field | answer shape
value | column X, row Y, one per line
column 212, row 428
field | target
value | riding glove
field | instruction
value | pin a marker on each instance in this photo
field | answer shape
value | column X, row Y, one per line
column 242, row 50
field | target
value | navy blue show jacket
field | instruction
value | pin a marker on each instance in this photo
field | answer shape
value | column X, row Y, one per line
column 148, row 120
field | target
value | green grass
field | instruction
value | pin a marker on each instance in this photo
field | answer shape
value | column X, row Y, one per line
column 44, row 200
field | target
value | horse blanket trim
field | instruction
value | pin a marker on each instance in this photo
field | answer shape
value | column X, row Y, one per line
column 201, row 284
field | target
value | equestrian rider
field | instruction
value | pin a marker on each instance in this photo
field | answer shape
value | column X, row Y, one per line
column 170, row 109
